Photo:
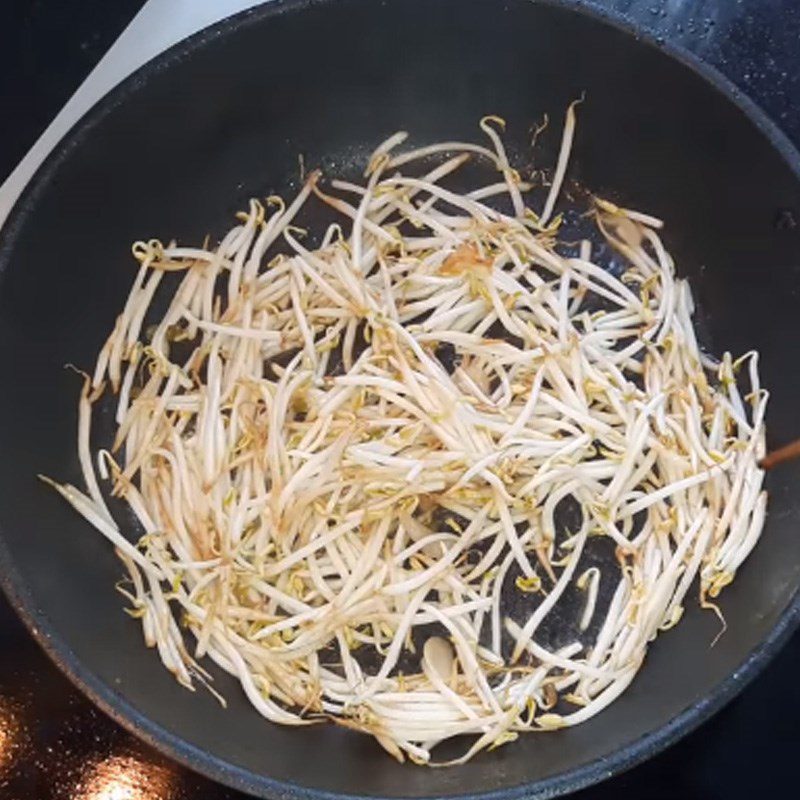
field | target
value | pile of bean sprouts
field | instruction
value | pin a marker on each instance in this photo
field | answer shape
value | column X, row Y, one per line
column 351, row 462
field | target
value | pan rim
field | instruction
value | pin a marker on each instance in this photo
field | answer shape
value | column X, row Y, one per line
column 218, row 769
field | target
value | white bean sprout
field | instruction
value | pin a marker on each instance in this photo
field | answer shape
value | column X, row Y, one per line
column 446, row 474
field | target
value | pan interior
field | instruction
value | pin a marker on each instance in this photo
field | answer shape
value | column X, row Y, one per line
column 181, row 151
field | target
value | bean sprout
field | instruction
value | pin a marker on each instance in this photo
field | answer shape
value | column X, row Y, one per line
column 353, row 465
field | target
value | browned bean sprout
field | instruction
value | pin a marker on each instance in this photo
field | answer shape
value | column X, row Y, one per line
column 350, row 461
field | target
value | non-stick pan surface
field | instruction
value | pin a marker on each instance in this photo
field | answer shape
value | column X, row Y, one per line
column 182, row 145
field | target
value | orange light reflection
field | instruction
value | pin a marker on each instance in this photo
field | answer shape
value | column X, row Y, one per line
column 126, row 778
column 10, row 733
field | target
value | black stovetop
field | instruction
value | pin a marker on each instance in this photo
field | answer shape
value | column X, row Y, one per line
column 54, row 745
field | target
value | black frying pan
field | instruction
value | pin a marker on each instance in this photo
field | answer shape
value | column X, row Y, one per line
column 181, row 145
